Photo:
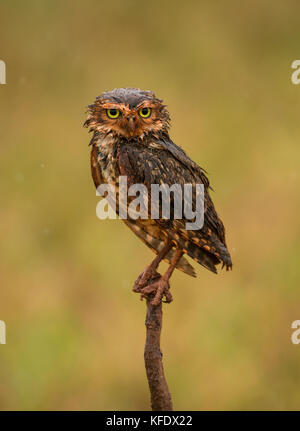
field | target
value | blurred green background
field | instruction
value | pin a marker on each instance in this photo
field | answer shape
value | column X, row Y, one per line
column 75, row 330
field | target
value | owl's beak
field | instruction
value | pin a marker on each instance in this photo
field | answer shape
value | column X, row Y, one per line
column 131, row 125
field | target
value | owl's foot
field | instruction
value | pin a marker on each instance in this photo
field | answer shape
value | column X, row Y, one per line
column 157, row 288
column 152, row 286
column 150, row 272
column 143, row 279
column 156, row 291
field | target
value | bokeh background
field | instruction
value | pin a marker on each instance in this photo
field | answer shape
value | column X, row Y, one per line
column 75, row 330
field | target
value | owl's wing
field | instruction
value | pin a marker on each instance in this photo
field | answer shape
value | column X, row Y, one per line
column 157, row 164
column 212, row 219
column 96, row 171
column 154, row 244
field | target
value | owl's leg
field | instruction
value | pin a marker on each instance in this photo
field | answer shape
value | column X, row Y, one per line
column 150, row 271
column 161, row 287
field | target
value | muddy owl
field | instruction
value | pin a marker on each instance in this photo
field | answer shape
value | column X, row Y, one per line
column 131, row 139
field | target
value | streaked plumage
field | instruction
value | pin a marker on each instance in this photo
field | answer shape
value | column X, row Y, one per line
column 141, row 149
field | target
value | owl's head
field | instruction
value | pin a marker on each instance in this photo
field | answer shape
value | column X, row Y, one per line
column 128, row 113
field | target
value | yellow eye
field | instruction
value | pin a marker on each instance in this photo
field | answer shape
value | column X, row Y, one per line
column 112, row 113
column 145, row 112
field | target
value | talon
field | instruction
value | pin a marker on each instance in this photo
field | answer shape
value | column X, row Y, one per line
column 151, row 285
column 156, row 291
column 144, row 278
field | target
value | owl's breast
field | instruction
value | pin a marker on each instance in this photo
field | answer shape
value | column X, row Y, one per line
column 106, row 159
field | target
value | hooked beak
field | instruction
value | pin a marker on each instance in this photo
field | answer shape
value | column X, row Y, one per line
column 131, row 125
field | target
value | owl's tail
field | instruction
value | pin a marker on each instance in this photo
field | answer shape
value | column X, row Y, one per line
column 182, row 265
column 157, row 245
column 200, row 255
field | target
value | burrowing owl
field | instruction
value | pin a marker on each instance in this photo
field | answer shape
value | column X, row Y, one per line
column 131, row 138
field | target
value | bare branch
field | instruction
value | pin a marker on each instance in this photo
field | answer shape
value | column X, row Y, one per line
column 160, row 395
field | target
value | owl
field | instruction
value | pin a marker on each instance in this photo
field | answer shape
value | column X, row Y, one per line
column 131, row 138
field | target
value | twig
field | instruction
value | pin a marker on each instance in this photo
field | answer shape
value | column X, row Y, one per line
column 160, row 395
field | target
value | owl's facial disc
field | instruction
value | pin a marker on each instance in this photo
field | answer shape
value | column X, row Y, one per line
column 129, row 113
column 129, row 122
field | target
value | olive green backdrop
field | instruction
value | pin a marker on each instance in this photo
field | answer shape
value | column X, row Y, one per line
column 75, row 330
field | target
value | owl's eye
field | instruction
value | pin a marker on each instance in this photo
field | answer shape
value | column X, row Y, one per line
column 145, row 112
column 112, row 113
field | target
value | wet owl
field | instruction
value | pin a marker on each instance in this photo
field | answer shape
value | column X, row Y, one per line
column 131, row 138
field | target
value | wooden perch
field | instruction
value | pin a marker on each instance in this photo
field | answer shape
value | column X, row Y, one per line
column 160, row 395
